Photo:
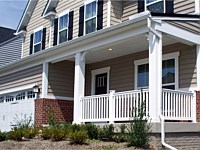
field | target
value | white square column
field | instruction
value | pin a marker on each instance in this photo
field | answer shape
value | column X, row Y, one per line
column 155, row 75
column 198, row 66
column 79, row 85
column 45, row 80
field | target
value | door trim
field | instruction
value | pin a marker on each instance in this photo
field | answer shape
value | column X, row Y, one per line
column 100, row 71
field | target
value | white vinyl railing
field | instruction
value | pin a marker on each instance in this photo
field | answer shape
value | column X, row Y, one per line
column 95, row 108
column 114, row 106
column 121, row 106
column 177, row 105
column 127, row 104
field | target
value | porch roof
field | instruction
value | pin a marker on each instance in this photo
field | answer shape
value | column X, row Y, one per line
column 134, row 29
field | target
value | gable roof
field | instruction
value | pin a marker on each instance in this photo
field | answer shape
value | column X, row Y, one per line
column 50, row 6
column 6, row 34
column 26, row 15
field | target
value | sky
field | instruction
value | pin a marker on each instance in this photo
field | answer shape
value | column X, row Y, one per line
column 11, row 12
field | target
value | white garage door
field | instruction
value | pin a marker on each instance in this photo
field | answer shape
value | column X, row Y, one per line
column 16, row 105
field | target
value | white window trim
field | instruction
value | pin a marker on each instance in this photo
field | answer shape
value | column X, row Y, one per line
column 197, row 7
column 174, row 55
column 60, row 15
column 86, row 3
column 36, row 30
column 157, row 1
column 100, row 71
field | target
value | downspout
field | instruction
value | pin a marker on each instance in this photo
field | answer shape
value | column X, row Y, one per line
column 162, row 120
column 161, row 117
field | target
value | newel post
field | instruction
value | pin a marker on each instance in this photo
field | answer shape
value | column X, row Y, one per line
column 111, row 107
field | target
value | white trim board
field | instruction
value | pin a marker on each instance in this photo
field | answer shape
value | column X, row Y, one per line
column 100, row 71
column 174, row 55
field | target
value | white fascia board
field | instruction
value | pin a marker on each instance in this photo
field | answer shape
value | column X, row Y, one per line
column 27, row 13
column 81, row 44
column 177, row 32
column 175, row 18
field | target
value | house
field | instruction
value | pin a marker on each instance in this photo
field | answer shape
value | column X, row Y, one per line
column 88, row 60
column 10, row 46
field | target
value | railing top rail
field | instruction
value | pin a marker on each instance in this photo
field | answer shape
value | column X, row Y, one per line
column 130, row 92
column 95, row 96
column 177, row 91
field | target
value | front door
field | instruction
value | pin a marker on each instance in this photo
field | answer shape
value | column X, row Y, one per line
column 101, row 83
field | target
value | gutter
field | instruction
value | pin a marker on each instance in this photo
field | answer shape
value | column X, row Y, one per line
column 78, row 42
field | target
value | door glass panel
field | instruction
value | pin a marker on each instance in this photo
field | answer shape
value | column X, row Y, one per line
column 101, row 84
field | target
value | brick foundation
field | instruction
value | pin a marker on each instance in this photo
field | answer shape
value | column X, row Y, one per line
column 62, row 109
column 198, row 105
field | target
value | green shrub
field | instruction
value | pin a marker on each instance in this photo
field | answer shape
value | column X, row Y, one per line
column 57, row 134
column 2, row 136
column 75, row 127
column 92, row 131
column 106, row 133
column 23, row 122
column 28, row 133
column 46, row 133
column 139, row 129
column 78, row 137
column 51, row 117
column 15, row 134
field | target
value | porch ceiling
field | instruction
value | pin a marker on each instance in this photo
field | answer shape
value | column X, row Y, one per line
column 124, row 47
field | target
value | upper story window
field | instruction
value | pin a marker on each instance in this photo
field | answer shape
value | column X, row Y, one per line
column 63, row 28
column 37, row 44
column 156, row 6
column 90, row 16
column 37, row 40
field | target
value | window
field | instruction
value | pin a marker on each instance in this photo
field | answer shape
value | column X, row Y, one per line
column 9, row 98
column 37, row 44
column 169, row 72
column 20, row 96
column 90, row 17
column 63, row 28
column 1, row 99
column 157, row 6
column 31, row 94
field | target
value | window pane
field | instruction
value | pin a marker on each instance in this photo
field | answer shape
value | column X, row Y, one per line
column 143, row 75
column 168, row 71
column 37, row 47
column 90, row 10
column 90, row 25
column 63, row 36
column 63, row 22
column 37, row 36
column 157, row 7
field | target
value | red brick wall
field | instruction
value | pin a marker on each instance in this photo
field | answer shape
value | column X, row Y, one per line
column 198, row 105
column 62, row 109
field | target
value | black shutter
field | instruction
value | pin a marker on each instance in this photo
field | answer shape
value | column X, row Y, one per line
column 140, row 6
column 31, row 45
column 70, row 27
column 43, row 38
column 100, row 15
column 169, row 6
column 55, row 35
column 81, row 21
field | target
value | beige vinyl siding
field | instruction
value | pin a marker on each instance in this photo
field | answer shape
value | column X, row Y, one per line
column 187, row 25
column 116, row 12
column 184, row 6
column 130, row 7
column 61, row 79
column 35, row 22
column 122, row 68
column 73, row 5
column 25, row 77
